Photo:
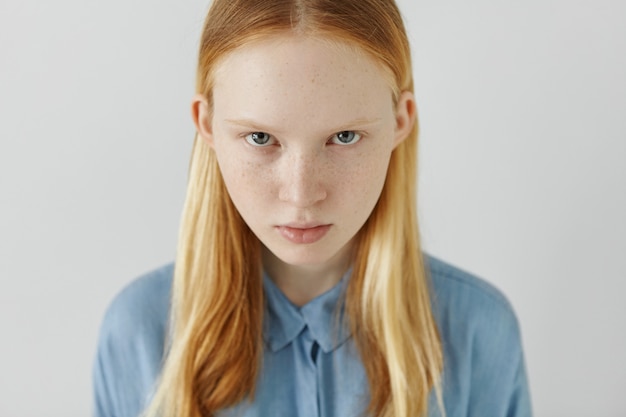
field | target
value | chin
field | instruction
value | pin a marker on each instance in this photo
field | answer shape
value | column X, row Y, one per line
column 303, row 255
column 303, row 259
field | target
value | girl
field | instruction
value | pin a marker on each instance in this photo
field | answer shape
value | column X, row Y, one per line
column 299, row 287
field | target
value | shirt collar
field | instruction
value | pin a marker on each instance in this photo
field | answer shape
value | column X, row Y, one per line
column 323, row 315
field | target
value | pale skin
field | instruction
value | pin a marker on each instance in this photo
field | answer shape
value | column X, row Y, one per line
column 303, row 130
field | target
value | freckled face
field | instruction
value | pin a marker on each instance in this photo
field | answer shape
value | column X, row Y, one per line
column 303, row 131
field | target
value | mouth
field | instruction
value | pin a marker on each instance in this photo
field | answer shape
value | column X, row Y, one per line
column 303, row 233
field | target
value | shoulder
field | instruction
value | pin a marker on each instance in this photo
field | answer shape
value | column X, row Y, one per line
column 483, row 358
column 139, row 313
column 131, row 344
column 453, row 288
column 142, row 302
column 468, row 309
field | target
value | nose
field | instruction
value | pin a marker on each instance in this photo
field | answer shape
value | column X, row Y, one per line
column 302, row 182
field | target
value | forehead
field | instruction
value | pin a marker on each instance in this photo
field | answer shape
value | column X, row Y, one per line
column 287, row 75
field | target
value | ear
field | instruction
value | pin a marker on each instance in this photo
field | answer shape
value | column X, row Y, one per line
column 406, row 115
column 202, row 118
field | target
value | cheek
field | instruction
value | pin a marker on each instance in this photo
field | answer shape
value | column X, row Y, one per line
column 363, row 180
column 227, row 164
column 248, row 184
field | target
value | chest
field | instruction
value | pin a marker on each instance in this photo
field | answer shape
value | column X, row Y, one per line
column 303, row 380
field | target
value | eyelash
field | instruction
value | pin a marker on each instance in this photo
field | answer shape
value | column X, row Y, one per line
column 250, row 140
column 334, row 138
column 356, row 135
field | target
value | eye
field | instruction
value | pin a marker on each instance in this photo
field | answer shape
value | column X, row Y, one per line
column 258, row 138
column 346, row 137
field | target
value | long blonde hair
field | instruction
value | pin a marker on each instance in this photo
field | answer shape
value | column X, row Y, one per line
column 217, row 303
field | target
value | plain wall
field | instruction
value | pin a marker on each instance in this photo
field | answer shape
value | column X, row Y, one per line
column 522, row 181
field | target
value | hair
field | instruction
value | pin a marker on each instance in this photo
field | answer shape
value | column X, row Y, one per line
column 216, row 346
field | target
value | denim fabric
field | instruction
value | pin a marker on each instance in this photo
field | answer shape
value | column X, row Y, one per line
column 310, row 364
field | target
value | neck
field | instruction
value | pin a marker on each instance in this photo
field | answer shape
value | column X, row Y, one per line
column 302, row 283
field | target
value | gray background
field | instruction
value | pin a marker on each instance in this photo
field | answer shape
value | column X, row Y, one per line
column 523, row 180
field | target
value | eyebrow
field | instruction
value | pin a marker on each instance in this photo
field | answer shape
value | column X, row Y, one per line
column 264, row 128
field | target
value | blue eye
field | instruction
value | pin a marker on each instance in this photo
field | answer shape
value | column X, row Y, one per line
column 258, row 138
column 346, row 137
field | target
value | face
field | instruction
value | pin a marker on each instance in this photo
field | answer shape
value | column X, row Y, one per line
column 303, row 130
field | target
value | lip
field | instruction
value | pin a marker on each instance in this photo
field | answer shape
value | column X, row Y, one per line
column 303, row 233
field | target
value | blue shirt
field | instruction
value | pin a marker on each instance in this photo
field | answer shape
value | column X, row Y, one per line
column 310, row 364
